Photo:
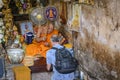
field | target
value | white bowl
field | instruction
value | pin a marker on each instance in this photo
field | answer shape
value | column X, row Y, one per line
column 15, row 55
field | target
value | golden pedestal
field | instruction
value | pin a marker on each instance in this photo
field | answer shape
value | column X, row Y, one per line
column 22, row 73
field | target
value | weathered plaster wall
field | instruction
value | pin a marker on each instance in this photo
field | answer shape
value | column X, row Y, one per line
column 97, row 44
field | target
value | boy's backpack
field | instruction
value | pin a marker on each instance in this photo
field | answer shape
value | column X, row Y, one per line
column 65, row 62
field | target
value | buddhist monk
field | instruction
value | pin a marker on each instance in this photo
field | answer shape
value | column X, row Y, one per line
column 35, row 48
column 51, row 31
column 42, row 41
column 42, row 33
column 47, row 43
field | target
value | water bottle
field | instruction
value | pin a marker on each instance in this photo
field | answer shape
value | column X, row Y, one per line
column 77, row 75
column 29, row 37
column 81, row 75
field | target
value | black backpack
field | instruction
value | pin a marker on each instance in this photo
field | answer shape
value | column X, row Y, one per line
column 65, row 62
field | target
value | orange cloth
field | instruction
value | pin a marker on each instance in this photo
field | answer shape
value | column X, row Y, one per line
column 32, row 49
column 55, row 32
column 22, row 73
column 43, row 51
column 68, row 45
column 40, row 48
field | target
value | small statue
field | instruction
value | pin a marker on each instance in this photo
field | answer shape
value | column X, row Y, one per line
column 16, row 43
column 28, row 6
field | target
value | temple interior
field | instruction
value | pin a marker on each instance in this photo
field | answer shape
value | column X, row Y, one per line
column 91, row 28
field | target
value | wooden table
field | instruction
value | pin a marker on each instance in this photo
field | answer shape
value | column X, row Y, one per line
column 39, row 65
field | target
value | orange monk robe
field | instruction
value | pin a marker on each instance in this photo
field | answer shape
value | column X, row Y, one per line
column 40, row 48
column 45, row 48
column 32, row 50
column 35, row 47
column 54, row 32
column 42, row 42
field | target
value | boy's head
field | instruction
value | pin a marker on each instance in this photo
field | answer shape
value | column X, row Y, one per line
column 55, row 39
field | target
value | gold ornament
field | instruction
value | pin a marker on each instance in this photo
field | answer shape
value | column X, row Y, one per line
column 15, row 28
column 6, row 3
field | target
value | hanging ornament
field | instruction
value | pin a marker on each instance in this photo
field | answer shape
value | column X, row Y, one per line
column 51, row 13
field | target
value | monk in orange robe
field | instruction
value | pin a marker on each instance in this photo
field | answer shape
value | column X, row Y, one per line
column 51, row 31
column 47, row 44
column 42, row 43
column 35, row 48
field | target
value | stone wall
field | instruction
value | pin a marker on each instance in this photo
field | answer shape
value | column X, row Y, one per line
column 97, row 44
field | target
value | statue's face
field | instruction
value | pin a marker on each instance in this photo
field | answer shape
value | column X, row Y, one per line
column 50, row 28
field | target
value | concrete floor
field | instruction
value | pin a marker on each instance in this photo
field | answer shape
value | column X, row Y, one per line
column 41, row 76
column 34, row 76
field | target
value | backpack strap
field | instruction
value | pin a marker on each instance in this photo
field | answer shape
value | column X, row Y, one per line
column 57, row 48
column 54, row 48
column 55, row 51
column 57, row 55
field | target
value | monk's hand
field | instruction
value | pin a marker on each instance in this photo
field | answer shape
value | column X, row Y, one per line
column 37, row 56
column 44, row 38
column 46, row 44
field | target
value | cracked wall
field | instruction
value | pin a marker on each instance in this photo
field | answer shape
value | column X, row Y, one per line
column 97, row 44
